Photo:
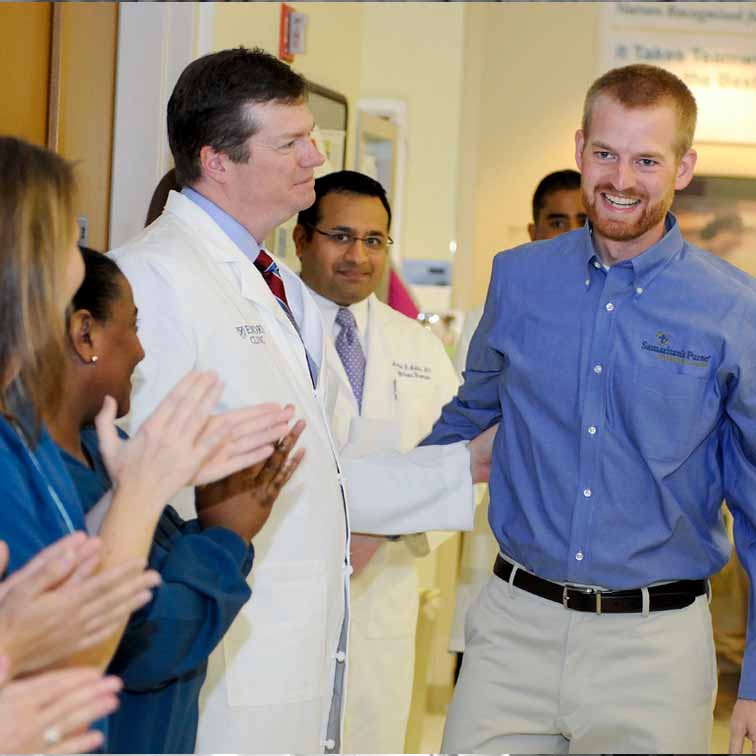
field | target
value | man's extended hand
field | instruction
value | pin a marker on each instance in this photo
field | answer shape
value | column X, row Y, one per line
column 363, row 548
column 481, row 449
column 742, row 725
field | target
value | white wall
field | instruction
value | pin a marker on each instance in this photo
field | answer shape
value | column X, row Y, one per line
column 538, row 60
column 334, row 38
column 155, row 42
column 413, row 52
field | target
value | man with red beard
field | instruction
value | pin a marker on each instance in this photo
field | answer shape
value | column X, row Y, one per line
column 619, row 361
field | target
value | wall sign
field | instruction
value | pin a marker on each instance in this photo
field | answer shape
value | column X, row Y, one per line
column 710, row 46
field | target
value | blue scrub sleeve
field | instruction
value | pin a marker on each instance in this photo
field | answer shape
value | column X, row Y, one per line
column 203, row 588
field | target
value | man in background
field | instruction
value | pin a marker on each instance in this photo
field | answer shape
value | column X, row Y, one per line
column 390, row 377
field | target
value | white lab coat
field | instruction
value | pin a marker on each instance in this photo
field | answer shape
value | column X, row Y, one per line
column 479, row 547
column 408, row 379
column 203, row 305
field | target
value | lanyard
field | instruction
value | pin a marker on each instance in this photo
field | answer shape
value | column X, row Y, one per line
column 53, row 493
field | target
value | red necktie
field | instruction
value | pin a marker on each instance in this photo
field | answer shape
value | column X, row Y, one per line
column 269, row 270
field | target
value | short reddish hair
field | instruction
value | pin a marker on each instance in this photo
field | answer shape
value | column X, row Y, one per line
column 644, row 86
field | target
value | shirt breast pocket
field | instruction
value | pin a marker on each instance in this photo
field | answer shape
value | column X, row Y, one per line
column 662, row 413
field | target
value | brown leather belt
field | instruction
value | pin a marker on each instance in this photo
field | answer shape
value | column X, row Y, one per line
column 675, row 595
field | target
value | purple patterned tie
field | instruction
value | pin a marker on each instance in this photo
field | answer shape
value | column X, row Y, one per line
column 350, row 352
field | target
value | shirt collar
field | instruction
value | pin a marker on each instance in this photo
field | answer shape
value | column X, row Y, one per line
column 647, row 265
column 229, row 225
column 330, row 310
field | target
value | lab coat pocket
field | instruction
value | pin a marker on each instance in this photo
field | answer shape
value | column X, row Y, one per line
column 414, row 397
column 275, row 649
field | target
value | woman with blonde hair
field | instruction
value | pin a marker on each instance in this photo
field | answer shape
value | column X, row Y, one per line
column 182, row 442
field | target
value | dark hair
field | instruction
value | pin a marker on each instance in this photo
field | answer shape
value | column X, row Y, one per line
column 101, row 286
column 559, row 181
column 341, row 182
column 207, row 106
column 165, row 186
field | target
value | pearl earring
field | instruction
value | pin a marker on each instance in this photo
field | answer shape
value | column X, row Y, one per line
column 93, row 359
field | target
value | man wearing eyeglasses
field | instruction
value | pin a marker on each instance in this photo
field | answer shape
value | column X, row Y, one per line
column 388, row 381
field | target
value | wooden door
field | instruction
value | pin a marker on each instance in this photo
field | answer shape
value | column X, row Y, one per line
column 25, row 34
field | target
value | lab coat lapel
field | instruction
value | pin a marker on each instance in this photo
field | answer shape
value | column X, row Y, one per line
column 239, row 275
column 308, row 317
column 378, row 391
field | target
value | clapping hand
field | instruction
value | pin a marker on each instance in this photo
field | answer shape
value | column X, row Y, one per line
column 181, row 444
column 243, row 502
column 57, row 604
column 52, row 712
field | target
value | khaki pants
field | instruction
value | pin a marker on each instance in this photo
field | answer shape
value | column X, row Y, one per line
column 539, row 678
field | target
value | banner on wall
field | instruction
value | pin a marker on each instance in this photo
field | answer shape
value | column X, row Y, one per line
column 710, row 46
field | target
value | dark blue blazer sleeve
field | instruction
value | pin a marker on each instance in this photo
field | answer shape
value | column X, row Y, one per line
column 203, row 588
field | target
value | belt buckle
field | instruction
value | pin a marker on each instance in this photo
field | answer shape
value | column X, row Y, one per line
column 588, row 591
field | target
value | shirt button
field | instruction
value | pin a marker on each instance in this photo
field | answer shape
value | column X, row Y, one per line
column 609, row 306
column 596, row 264
column 592, row 430
column 587, row 281
column 587, row 493
column 340, row 656
column 639, row 290
column 330, row 744
column 579, row 556
column 597, row 369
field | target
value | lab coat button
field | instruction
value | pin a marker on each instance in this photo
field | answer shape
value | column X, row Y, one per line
column 340, row 656
column 330, row 744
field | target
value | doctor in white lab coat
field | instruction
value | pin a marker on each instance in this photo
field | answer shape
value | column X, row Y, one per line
column 342, row 243
column 239, row 129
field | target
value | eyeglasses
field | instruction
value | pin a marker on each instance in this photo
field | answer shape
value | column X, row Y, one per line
column 345, row 240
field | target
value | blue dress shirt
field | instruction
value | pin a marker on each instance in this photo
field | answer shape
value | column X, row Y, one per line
column 627, row 404
column 229, row 225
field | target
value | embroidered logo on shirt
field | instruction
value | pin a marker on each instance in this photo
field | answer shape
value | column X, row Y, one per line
column 255, row 334
column 664, row 350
